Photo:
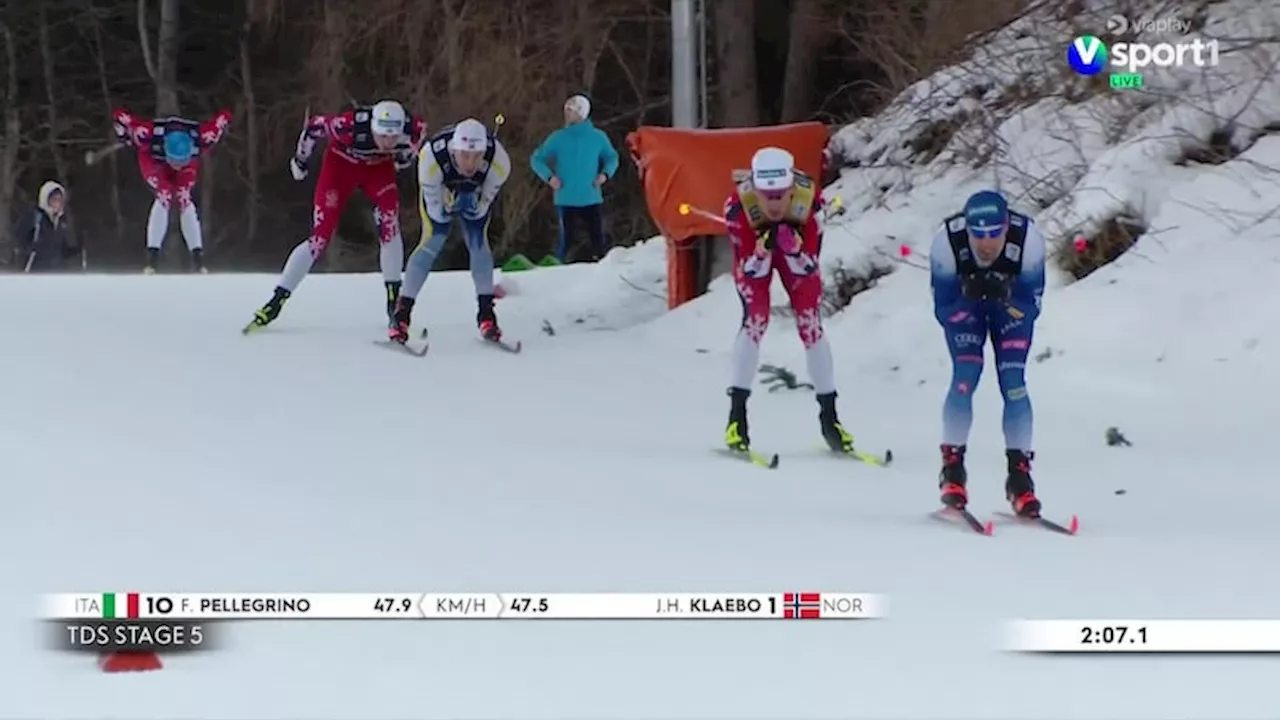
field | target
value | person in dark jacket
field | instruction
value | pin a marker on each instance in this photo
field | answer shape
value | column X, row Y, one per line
column 43, row 238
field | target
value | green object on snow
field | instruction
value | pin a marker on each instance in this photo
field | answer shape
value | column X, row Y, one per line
column 549, row 261
column 518, row 263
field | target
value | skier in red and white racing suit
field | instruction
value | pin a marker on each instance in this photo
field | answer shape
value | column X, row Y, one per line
column 367, row 147
column 773, row 226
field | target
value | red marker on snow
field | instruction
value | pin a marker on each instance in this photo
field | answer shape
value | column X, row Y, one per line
column 1081, row 244
column 904, row 250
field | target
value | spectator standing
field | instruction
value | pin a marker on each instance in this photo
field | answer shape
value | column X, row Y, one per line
column 44, row 238
column 576, row 161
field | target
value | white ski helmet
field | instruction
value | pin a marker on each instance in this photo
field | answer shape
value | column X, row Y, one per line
column 387, row 118
column 470, row 135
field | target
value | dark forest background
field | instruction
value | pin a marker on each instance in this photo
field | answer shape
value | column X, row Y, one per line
column 65, row 63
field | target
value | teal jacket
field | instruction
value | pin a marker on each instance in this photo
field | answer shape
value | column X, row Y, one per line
column 576, row 154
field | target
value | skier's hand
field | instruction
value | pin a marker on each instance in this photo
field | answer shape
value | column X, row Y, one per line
column 601, row 179
column 787, row 239
column 986, row 285
column 297, row 169
column 555, row 183
column 465, row 204
column 766, row 239
column 996, row 286
column 971, row 286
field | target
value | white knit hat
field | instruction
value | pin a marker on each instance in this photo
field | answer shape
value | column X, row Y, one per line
column 580, row 106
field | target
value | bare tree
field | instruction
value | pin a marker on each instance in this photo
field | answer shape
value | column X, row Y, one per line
column 250, row 115
column 113, row 189
column 12, row 139
column 736, row 75
column 51, row 108
column 807, row 33
column 167, row 62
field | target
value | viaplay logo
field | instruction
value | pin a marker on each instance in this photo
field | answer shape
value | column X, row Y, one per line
column 1087, row 55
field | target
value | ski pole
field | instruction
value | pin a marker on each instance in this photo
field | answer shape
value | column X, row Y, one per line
column 687, row 209
column 93, row 156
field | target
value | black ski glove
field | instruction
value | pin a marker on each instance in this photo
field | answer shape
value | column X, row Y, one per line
column 988, row 285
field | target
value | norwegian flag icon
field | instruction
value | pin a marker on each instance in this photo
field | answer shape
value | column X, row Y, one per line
column 801, row 606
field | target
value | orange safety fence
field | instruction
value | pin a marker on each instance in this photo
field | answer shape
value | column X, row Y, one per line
column 695, row 167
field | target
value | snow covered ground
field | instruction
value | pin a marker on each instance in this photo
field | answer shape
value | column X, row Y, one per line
column 150, row 447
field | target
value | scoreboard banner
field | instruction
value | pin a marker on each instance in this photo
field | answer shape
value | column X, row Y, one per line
column 464, row 606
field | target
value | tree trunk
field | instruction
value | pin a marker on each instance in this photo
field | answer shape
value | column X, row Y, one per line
column 592, row 35
column 167, row 62
column 803, row 46
column 251, row 123
column 11, row 139
column 51, row 111
column 455, row 60
column 144, row 40
column 735, row 38
column 329, row 65
column 113, row 189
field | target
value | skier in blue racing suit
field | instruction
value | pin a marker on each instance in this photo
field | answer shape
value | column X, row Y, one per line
column 988, row 275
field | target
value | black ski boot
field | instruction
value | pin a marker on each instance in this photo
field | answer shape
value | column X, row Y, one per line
column 1019, row 489
column 153, row 261
column 952, row 479
column 401, row 318
column 269, row 312
column 393, row 294
column 197, row 262
column 735, row 434
column 832, row 431
column 487, row 320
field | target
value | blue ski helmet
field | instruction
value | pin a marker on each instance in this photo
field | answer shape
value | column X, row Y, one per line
column 178, row 147
column 986, row 214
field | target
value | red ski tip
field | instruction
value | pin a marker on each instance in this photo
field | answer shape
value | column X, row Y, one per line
column 989, row 528
column 1074, row 527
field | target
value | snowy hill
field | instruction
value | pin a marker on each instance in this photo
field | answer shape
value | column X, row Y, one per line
column 150, row 446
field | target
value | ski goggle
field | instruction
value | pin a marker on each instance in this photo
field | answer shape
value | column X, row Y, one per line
column 986, row 233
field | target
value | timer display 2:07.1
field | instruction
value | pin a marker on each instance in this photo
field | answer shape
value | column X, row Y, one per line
column 1113, row 635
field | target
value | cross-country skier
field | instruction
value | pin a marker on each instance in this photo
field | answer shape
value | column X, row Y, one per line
column 773, row 225
column 367, row 146
column 169, row 150
column 460, row 171
column 988, row 275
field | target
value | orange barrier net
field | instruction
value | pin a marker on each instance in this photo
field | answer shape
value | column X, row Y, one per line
column 696, row 167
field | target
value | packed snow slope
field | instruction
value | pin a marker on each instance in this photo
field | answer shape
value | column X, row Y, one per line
column 150, row 447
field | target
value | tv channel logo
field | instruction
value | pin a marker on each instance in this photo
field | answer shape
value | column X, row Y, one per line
column 1089, row 56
